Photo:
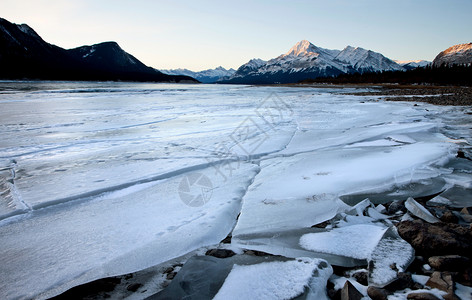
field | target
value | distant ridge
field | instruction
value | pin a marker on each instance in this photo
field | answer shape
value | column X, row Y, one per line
column 25, row 55
column 205, row 76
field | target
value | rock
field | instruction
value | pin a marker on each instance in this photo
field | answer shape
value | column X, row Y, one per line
column 349, row 292
column 403, row 281
column 417, row 286
column 442, row 281
column 449, row 262
column 467, row 211
column 417, row 265
column 376, row 293
column 171, row 275
column 227, row 240
column 332, row 293
column 220, row 253
column 395, row 206
column 466, row 214
column 91, row 289
column 361, row 277
column 134, row 287
column 257, row 253
column 322, row 224
column 449, row 217
column 419, row 211
column 422, row 296
column 436, row 239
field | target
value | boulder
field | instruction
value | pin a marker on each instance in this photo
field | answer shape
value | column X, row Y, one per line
column 422, row 296
column 449, row 217
column 220, row 253
column 396, row 206
column 436, row 239
column 376, row 293
column 449, row 262
column 361, row 277
column 441, row 281
column 403, row 281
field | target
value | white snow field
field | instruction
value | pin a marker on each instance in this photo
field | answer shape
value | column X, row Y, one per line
column 103, row 179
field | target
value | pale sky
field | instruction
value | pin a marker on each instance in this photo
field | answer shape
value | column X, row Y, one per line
column 202, row 34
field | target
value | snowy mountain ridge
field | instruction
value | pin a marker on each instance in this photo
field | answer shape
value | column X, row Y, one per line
column 205, row 76
column 305, row 60
column 412, row 64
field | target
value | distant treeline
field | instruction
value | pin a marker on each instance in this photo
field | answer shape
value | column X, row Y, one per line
column 444, row 75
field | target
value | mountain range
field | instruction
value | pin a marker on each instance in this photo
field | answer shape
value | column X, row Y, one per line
column 305, row 60
column 205, row 76
column 25, row 55
column 412, row 64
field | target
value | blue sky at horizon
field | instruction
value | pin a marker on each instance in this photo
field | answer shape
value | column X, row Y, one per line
column 205, row 34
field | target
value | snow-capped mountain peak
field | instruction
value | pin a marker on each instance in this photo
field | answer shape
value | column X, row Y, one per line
column 363, row 60
column 303, row 47
column 352, row 55
column 255, row 62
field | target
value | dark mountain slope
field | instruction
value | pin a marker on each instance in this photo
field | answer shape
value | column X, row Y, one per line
column 25, row 55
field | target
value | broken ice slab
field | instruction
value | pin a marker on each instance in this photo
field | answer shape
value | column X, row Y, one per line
column 458, row 196
column 239, row 277
column 286, row 243
column 382, row 247
column 421, row 188
column 356, row 241
column 391, row 250
column 419, row 211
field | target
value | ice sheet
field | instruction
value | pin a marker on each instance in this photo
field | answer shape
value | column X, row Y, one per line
column 94, row 176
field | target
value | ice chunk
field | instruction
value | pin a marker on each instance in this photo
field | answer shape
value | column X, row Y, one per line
column 418, row 210
column 281, row 280
column 374, row 213
column 391, row 250
column 360, row 207
column 357, row 241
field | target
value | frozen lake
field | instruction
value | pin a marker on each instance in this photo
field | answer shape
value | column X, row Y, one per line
column 102, row 179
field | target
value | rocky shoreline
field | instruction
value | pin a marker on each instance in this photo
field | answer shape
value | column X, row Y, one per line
column 437, row 95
